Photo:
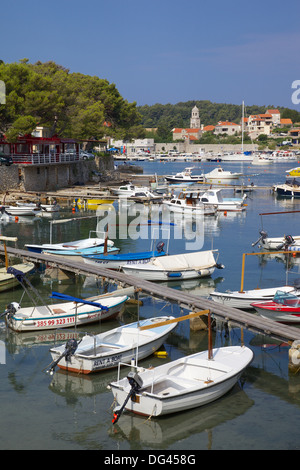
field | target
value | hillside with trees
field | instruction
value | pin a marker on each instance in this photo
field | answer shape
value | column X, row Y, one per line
column 71, row 104
column 165, row 117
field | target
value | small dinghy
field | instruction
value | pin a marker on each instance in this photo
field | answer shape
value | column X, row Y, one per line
column 72, row 312
column 283, row 308
column 185, row 383
column 116, row 261
column 107, row 350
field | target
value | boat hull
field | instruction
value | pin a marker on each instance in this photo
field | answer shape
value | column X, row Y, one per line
column 165, row 391
column 162, row 275
column 112, row 354
column 63, row 315
column 117, row 261
column 278, row 313
column 8, row 281
column 243, row 300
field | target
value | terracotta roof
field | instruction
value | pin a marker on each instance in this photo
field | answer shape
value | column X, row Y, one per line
column 285, row 121
column 273, row 111
column 208, row 128
column 227, row 123
column 179, row 130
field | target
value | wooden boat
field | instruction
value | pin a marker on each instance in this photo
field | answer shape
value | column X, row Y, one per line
column 215, row 197
column 107, row 350
column 176, row 267
column 185, row 383
column 116, row 261
column 68, row 314
column 284, row 308
column 184, row 176
column 218, row 175
column 70, row 246
column 189, row 202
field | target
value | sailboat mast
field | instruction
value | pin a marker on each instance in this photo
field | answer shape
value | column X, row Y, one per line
column 243, row 127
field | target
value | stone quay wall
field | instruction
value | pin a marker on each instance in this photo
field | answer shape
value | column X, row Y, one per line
column 53, row 176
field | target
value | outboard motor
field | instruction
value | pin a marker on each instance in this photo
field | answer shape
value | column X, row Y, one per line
column 288, row 241
column 136, row 384
column 160, row 247
column 10, row 309
column 263, row 235
column 70, row 348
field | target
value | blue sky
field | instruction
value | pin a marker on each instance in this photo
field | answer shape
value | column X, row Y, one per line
column 165, row 51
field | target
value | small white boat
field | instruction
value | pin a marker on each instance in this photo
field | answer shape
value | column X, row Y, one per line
column 185, row 383
column 127, row 190
column 189, row 202
column 218, row 175
column 144, row 195
column 184, row 177
column 107, row 350
column 176, row 267
column 63, row 315
column 22, row 210
column 244, row 299
column 285, row 243
column 261, row 160
column 215, row 197
column 90, row 242
column 40, row 207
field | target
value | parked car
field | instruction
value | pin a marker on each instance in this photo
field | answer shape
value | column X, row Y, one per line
column 5, row 160
column 85, row 155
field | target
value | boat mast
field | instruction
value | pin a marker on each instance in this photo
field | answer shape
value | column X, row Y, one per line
column 243, row 127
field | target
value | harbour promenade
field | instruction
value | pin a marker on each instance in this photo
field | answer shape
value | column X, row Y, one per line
column 187, row 301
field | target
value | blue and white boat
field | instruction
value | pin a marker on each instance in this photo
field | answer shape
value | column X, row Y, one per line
column 73, row 254
column 91, row 242
column 116, row 261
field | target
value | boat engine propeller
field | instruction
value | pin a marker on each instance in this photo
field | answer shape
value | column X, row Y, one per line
column 136, row 383
column 263, row 235
column 288, row 241
column 70, row 348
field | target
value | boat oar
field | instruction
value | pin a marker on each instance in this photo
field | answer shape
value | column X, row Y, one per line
column 135, row 383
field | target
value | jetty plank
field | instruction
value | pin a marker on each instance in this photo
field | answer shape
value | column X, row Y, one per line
column 189, row 301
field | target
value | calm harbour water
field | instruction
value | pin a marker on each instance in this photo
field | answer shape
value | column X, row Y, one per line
column 73, row 412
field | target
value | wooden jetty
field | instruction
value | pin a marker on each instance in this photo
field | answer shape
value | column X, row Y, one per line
column 185, row 300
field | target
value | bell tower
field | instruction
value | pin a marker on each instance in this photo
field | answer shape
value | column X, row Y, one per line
column 195, row 119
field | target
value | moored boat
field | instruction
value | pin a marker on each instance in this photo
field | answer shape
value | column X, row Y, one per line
column 176, row 267
column 185, row 383
column 215, row 197
column 283, row 308
column 107, row 350
column 184, row 176
column 218, row 175
column 72, row 312
column 189, row 202
column 116, row 261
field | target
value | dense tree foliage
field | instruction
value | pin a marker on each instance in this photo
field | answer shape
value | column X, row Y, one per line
column 178, row 115
column 71, row 104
